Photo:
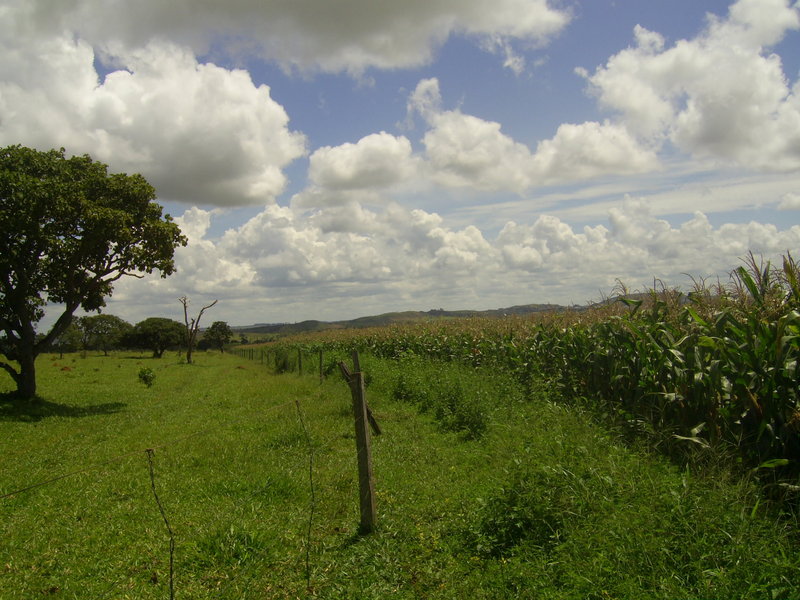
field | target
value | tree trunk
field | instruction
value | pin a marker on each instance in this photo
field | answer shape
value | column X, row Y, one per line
column 26, row 378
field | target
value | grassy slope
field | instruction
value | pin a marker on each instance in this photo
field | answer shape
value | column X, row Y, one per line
column 545, row 505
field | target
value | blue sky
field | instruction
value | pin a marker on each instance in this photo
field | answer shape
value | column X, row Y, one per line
column 334, row 159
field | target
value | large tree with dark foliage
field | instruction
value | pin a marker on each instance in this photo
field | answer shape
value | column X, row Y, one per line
column 157, row 334
column 218, row 335
column 69, row 230
column 103, row 332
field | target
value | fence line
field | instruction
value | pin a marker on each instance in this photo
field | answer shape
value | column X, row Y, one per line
column 261, row 354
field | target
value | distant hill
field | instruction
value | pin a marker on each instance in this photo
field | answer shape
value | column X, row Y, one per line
column 394, row 318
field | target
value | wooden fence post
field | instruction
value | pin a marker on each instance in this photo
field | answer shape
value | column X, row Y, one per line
column 366, row 480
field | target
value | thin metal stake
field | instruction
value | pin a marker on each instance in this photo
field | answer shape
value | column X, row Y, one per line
column 150, row 453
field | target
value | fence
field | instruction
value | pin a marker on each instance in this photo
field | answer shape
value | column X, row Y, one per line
column 152, row 472
column 286, row 359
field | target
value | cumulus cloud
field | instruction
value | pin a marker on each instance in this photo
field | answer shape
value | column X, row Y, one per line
column 590, row 149
column 398, row 258
column 635, row 247
column 375, row 161
column 204, row 272
column 721, row 96
column 356, row 174
column 351, row 243
column 200, row 133
column 464, row 150
column 349, row 35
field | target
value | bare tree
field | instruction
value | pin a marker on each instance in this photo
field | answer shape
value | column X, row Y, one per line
column 192, row 325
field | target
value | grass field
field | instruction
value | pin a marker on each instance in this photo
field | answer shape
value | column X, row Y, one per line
column 484, row 493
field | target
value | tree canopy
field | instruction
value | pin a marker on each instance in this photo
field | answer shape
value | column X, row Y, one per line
column 218, row 335
column 103, row 332
column 70, row 230
column 157, row 334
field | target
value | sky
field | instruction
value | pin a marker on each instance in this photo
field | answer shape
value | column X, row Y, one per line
column 330, row 159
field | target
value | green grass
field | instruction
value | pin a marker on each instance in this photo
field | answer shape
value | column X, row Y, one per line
column 529, row 500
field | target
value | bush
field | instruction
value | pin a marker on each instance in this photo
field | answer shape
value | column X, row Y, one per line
column 528, row 508
column 460, row 398
column 147, row 376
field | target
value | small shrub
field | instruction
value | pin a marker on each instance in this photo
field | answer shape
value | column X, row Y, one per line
column 409, row 388
column 147, row 376
column 460, row 398
column 527, row 509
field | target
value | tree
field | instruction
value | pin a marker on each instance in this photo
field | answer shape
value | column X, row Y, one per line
column 70, row 230
column 192, row 325
column 218, row 335
column 157, row 334
column 103, row 332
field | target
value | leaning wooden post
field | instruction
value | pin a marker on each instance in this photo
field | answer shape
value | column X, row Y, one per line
column 376, row 429
column 366, row 480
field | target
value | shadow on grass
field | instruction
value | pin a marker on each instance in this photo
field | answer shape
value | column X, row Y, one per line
column 12, row 408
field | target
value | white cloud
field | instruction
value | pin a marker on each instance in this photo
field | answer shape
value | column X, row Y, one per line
column 590, row 150
column 426, row 99
column 199, row 133
column 204, row 272
column 375, row 161
column 395, row 258
column 720, row 96
column 789, row 201
column 348, row 35
column 636, row 247
column 463, row 150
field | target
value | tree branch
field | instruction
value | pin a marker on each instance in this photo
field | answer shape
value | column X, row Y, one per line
column 11, row 371
column 59, row 326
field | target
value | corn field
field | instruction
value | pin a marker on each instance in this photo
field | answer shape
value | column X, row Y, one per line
column 716, row 367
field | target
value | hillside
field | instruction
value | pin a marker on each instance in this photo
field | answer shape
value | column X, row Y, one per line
column 392, row 318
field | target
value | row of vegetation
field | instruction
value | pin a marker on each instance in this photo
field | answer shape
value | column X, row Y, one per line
column 107, row 333
column 715, row 369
